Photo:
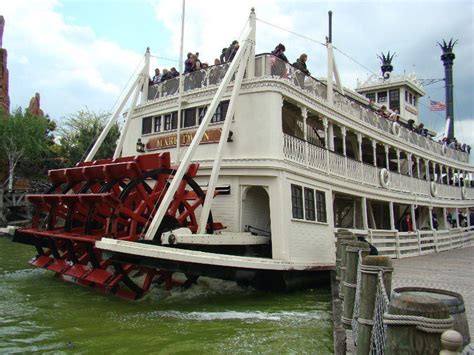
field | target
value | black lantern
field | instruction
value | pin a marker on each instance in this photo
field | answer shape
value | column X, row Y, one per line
column 140, row 146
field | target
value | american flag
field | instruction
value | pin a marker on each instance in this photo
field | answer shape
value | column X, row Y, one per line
column 437, row 106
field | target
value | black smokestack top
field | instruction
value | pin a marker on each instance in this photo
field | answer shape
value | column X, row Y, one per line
column 448, row 59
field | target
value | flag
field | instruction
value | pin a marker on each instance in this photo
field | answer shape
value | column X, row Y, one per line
column 437, row 106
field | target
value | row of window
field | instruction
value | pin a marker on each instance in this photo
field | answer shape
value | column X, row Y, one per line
column 191, row 117
column 393, row 97
column 308, row 204
column 410, row 98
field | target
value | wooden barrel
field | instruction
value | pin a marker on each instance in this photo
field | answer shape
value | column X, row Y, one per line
column 452, row 300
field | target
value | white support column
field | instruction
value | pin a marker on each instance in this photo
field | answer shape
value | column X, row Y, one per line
column 445, row 219
column 211, row 187
column 374, row 151
column 413, row 219
column 128, row 119
column 410, row 170
column 252, row 41
column 435, row 179
column 344, row 147
column 326, row 132
column 431, row 217
column 427, row 170
column 468, row 219
column 331, row 136
column 365, row 220
column 387, row 161
column 418, row 167
column 146, row 72
column 113, row 118
column 330, row 75
column 359, row 142
column 304, row 114
column 447, row 176
column 184, row 165
column 398, row 161
column 392, row 216
column 440, row 179
column 457, row 217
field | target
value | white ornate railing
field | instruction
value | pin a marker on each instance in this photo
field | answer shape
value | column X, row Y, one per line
column 317, row 157
column 293, row 149
column 406, row 244
column 323, row 160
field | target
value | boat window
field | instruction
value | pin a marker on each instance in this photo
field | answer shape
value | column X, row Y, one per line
column 311, row 206
column 146, row 125
column 406, row 95
column 309, row 210
column 394, row 97
column 371, row 96
column 297, row 201
column 189, row 119
column 158, row 124
column 382, row 96
column 321, row 206
column 201, row 113
column 410, row 100
column 220, row 113
column 174, row 120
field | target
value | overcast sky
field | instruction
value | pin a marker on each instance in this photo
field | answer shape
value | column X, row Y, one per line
column 80, row 53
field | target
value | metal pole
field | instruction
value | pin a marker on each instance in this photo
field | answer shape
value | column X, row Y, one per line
column 180, row 89
column 330, row 27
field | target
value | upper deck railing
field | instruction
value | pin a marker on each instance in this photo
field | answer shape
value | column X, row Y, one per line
column 267, row 65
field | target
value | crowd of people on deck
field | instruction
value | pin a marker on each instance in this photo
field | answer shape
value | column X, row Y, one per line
column 394, row 116
column 193, row 64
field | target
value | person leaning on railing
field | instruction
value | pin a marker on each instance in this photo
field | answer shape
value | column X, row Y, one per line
column 300, row 64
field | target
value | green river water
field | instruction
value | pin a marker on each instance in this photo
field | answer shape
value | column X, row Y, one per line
column 39, row 313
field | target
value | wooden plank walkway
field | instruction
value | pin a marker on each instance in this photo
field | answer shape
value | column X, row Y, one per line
column 451, row 270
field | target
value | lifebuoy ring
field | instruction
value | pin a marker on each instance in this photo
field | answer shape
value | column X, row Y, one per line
column 384, row 178
column 396, row 128
column 444, row 148
column 433, row 189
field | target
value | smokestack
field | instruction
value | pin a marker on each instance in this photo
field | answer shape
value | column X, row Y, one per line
column 448, row 58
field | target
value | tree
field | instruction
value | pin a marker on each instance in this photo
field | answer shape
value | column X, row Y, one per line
column 79, row 132
column 23, row 138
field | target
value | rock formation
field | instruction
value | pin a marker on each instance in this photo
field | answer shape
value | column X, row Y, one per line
column 4, row 98
column 35, row 107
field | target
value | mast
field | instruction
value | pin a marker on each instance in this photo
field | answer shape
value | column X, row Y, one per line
column 448, row 58
column 180, row 87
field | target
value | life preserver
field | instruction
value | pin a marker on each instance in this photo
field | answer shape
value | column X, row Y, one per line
column 463, row 192
column 444, row 148
column 433, row 189
column 384, row 178
column 396, row 128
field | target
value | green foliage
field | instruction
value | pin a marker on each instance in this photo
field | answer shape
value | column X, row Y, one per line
column 78, row 133
column 25, row 140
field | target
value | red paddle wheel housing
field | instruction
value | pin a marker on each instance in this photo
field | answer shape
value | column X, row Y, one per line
column 112, row 199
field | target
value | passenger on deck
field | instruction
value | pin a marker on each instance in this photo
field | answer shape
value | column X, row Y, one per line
column 406, row 224
column 222, row 56
column 409, row 124
column 452, row 144
column 188, row 64
column 231, row 51
column 174, row 73
column 300, row 64
column 166, row 75
column 420, row 129
column 157, row 77
column 279, row 52
column 393, row 116
column 382, row 111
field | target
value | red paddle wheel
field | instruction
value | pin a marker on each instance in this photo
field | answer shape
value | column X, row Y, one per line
column 112, row 199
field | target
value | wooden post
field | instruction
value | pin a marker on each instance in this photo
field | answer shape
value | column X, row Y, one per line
column 342, row 267
column 349, row 283
column 408, row 339
column 371, row 266
column 341, row 236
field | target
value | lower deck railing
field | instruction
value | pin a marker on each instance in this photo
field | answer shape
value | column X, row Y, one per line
column 400, row 245
column 323, row 160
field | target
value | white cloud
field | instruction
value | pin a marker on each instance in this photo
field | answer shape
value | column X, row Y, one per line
column 68, row 64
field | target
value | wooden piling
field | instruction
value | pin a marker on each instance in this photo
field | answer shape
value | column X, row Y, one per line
column 371, row 266
column 350, row 279
column 403, row 338
column 342, row 235
column 342, row 268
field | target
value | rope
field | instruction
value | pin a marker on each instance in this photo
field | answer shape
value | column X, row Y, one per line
column 294, row 33
column 382, row 287
column 347, row 284
column 428, row 325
